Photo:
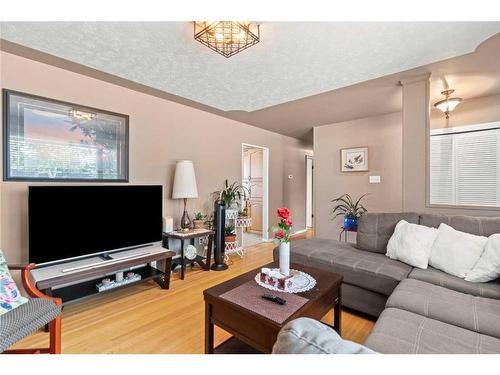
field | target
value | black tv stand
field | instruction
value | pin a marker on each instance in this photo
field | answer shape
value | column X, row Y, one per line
column 54, row 280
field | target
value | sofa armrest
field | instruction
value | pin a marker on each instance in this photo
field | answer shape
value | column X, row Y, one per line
column 309, row 336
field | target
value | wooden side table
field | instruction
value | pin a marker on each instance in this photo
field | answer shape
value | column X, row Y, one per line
column 191, row 236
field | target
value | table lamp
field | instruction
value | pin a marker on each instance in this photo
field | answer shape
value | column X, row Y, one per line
column 184, row 187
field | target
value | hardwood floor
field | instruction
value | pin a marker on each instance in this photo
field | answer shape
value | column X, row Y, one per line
column 147, row 319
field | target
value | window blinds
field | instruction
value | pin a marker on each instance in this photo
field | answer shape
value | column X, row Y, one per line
column 465, row 168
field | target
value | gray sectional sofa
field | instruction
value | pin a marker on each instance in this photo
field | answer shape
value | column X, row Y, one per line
column 419, row 311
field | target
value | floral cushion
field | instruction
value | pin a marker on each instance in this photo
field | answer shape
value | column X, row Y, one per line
column 10, row 297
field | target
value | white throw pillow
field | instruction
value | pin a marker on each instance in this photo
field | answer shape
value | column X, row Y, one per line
column 487, row 267
column 456, row 252
column 411, row 244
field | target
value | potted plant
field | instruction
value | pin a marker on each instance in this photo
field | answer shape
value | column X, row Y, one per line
column 229, row 234
column 350, row 209
column 281, row 234
column 199, row 220
column 232, row 194
column 243, row 213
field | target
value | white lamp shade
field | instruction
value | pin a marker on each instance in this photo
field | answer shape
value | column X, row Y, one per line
column 448, row 105
column 184, row 180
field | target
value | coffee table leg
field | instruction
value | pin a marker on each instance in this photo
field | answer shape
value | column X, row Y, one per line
column 337, row 314
column 209, row 330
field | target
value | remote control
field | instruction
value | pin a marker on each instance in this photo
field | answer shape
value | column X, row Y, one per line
column 274, row 299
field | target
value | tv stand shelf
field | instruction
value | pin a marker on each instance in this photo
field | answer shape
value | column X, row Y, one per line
column 56, row 281
column 75, row 292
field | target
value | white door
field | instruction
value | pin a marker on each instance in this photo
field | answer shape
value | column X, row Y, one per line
column 253, row 180
column 309, row 192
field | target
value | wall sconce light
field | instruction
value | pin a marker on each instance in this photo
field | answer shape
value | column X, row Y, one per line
column 447, row 105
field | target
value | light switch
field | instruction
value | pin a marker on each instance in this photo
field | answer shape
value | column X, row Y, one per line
column 374, row 179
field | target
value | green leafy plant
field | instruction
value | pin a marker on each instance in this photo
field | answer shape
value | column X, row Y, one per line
column 347, row 207
column 232, row 194
column 199, row 216
column 229, row 231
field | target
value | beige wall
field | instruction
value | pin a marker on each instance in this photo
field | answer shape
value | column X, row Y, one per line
column 382, row 134
column 468, row 112
column 415, row 128
column 161, row 132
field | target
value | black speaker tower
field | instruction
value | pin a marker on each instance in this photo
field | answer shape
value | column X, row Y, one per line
column 220, row 224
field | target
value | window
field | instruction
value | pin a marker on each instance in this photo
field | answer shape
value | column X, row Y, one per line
column 465, row 166
column 46, row 140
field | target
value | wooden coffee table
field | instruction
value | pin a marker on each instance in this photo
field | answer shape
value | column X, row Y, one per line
column 257, row 330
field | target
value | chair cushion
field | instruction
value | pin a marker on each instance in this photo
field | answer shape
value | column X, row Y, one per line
column 371, row 271
column 308, row 336
column 480, row 226
column 432, row 301
column 26, row 319
column 375, row 229
column 403, row 332
column 433, row 276
column 10, row 297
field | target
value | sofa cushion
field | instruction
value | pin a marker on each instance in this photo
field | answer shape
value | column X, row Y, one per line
column 308, row 336
column 487, row 267
column 456, row 252
column 432, row 301
column 26, row 319
column 375, row 229
column 368, row 270
column 403, row 332
column 411, row 244
column 480, row 226
column 363, row 300
column 431, row 275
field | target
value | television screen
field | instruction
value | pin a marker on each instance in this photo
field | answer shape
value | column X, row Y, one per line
column 71, row 221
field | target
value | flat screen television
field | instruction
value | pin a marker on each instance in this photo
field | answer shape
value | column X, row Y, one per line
column 74, row 221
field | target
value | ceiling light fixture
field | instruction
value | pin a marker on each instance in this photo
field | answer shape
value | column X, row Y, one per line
column 227, row 37
column 447, row 105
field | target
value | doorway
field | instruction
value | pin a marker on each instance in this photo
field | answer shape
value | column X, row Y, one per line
column 255, row 170
column 309, row 192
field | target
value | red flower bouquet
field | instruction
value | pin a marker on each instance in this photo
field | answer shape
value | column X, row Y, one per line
column 281, row 232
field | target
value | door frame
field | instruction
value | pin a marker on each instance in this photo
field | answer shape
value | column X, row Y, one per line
column 311, row 202
column 265, row 185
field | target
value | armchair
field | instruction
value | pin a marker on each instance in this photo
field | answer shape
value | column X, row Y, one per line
column 39, row 311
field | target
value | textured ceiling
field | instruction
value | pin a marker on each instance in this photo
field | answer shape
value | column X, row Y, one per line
column 294, row 59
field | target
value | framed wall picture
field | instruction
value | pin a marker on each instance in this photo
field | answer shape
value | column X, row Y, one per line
column 354, row 159
column 50, row 140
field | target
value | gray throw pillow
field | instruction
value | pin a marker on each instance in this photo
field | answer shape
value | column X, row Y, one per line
column 308, row 336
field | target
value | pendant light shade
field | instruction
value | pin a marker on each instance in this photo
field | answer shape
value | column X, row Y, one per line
column 447, row 105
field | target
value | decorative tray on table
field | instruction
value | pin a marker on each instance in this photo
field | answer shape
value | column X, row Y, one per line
column 296, row 282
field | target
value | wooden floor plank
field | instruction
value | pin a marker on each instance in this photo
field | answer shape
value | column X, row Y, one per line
column 147, row 319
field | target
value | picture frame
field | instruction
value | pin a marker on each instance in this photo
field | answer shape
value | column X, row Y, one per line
column 47, row 140
column 354, row 159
